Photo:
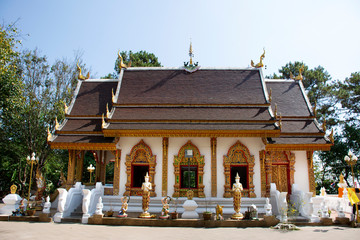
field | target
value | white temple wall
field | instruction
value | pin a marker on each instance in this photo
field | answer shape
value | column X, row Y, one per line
column 126, row 144
column 255, row 145
column 301, row 175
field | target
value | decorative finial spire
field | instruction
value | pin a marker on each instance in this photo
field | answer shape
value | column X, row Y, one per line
column 66, row 108
column 331, row 136
column 298, row 77
column 121, row 63
column 103, row 124
column 260, row 64
column 57, row 125
column 191, row 54
column 107, row 111
column 80, row 76
column 276, row 111
column 49, row 135
column 112, row 95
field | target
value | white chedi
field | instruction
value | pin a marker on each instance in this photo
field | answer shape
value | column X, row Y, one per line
column 99, row 207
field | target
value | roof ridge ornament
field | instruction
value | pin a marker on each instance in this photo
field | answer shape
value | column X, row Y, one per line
column 260, row 64
column 57, row 125
column 189, row 66
column 331, row 136
column 107, row 110
column 80, row 76
column 298, row 77
column 49, row 135
column 66, row 108
column 112, row 96
column 121, row 64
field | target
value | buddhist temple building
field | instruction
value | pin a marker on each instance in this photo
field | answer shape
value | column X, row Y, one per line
column 192, row 128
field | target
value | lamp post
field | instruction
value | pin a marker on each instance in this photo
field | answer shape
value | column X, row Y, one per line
column 351, row 160
column 90, row 169
column 31, row 160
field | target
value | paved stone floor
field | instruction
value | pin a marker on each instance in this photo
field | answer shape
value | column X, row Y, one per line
column 49, row 231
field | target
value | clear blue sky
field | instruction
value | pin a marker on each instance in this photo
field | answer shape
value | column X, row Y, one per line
column 224, row 33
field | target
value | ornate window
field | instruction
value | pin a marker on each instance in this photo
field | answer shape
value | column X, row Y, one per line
column 138, row 163
column 189, row 171
column 238, row 160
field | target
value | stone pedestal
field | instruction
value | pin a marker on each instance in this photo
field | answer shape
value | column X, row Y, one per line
column 85, row 218
column 45, row 217
column 58, row 216
column 342, row 220
column 12, row 202
column 190, row 207
column 326, row 221
column 96, row 219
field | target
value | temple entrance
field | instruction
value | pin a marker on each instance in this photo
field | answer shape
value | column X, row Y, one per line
column 280, row 176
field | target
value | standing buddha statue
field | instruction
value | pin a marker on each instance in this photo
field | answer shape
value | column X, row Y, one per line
column 237, row 188
column 146, row 188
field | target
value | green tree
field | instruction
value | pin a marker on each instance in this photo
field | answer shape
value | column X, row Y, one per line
column 138, row 59
column 349, row 95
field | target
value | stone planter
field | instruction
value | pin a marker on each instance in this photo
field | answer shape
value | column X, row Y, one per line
column 174, row 215
column 207, row 215
column 30, row 212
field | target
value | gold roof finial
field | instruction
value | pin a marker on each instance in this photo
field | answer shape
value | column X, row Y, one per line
column 57, row 125
column 112, row 95
column 103, row 125
column 191, row 54
column 121, row 63
column 314, row 109
column 324, row 124
column 66, row 108
column 107, row 111
column 298, row 77
column 331, row 136
column 276, row 111
column 280, row 123
column 260, row 64
column 80, row 76
column 49, row 135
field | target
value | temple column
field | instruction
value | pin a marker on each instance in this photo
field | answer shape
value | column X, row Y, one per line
column 165, row 145
column 79, row 165
column 312, row 186
column 116, row 182
column 268, row 171
column 102, row 174
column 71, row 169
column 213, row 143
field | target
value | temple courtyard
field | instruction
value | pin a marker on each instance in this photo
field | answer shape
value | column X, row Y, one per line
column 48, row 231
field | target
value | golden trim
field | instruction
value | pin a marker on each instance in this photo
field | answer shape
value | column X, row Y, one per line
column 165, row 145
column 116, row 182
column 83, row 146
column 189, row 105
column 312, row 184
column 78, row 132
column 213, row 144
column 297, row 147
column 191, row 133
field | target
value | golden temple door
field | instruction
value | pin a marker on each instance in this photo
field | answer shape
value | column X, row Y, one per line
column 280, row 176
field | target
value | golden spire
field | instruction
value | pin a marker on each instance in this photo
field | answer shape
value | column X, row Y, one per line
column 57, row 125
column 191, row 54
column 260, row 64
column 80, row 76
column 13, row 189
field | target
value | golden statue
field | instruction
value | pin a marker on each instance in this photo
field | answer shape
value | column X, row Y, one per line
column 80, row 76
column 146, row 188
column 124, row 207
column 260, row 64
column 121, row 64
column 219, row 212
column 298, row 77
column 165, row 208
column 237, row 188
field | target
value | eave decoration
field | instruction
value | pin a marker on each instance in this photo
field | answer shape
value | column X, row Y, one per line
column 121, row 62
column 260, row 64
column 239, row 155
column 140, row 154
column 197, row 160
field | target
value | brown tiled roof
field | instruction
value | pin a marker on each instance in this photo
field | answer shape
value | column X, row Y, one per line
column 192, row 113
column 93, row 97
column 288, row 97
column 82, row 125
column 298, row 140
column 299, row 126
column 201, row 87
